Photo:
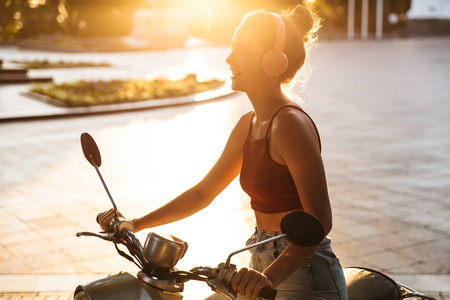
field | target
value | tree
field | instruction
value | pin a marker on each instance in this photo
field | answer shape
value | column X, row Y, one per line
column 20, row 18
column 25, row 18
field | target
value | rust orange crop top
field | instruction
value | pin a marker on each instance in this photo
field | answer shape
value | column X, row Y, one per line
column 270, row 185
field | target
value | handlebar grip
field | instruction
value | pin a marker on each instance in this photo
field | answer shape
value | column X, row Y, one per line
column 268, row 293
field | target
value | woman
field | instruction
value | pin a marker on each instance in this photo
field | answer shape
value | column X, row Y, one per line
column 277, row 152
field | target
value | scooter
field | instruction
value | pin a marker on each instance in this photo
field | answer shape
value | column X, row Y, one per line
column 158, row 279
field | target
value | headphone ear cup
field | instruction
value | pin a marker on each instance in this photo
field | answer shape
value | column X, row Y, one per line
column 274, row 63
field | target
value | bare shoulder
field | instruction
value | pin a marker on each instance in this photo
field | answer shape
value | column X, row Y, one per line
column 246, row 117
column 293, row 126
column 241, row 129
column 290, row 120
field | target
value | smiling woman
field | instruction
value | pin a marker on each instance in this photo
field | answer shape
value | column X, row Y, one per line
column 276, row 151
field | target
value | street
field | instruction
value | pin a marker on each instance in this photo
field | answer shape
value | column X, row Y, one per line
column 383, row 113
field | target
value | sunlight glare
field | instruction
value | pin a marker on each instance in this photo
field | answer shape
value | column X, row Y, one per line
column 157, row 160
column 146, row 161
column 194, row 63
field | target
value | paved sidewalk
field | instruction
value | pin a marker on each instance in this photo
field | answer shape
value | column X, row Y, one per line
column 383, row 111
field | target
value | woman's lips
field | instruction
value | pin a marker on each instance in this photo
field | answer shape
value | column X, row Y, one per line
column 235, row 73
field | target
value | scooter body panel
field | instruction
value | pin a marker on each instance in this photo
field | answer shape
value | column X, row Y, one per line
column 123, row 286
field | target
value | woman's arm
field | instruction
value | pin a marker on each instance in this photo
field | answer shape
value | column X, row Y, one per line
column 202, row 194
column 295, row 141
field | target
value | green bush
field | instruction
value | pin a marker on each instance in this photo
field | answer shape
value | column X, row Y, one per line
column 45, row 64
column 88, row 93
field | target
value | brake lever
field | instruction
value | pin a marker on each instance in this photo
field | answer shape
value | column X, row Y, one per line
column 107, row 236
column 117, row 230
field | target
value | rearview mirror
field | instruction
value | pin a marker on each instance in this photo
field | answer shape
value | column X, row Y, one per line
column 90, row 150
column 302, row 229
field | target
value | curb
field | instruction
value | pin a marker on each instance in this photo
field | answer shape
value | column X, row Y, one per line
column 59, row 112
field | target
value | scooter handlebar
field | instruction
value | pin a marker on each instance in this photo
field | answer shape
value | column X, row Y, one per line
column 268, row 293
column 223, row 275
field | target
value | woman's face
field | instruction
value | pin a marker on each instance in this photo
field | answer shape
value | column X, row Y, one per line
column 245, row 59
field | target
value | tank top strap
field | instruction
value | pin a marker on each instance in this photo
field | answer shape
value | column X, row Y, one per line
column 300, row 109
column 250, row 126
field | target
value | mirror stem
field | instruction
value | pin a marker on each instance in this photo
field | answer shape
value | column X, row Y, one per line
column 227, row 263
column 116, row 216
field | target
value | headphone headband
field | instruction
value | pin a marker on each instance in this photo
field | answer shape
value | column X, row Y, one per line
column 280, row 32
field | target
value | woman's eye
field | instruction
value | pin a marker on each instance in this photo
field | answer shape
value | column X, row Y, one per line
column 243, row 51
column 239, row 48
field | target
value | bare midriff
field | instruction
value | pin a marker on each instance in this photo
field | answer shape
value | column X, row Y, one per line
column 270, row 222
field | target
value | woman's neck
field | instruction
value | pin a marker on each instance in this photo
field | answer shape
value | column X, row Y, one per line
column 266, row 101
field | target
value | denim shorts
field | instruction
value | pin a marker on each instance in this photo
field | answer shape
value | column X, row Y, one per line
column 320, row 276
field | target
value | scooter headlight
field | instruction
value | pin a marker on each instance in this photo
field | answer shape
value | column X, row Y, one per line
column 164, row 252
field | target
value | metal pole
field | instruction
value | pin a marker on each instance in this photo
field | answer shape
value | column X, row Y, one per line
column 351, row 19
column 379, row 29
column 365, row 20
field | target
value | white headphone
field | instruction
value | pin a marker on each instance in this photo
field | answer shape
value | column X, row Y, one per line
column 274, row 62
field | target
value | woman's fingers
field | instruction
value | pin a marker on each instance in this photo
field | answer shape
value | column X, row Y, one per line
column 253, row 279
column 239, row 281
column 249, row 282
column 105, row 218
column 101, row 215
column 262, row 282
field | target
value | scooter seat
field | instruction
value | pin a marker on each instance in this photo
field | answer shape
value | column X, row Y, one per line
column 367, row 284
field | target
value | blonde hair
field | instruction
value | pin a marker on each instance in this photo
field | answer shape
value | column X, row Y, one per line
column 301, row 34
column 302, row 26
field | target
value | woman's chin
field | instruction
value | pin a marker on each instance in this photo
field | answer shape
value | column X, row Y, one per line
column 235, row 89
column 235, row 86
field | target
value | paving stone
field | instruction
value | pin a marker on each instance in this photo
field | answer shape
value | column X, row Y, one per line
column 388, row 224
column 387, row 260
column 393, row 240
column 385, row 151
column 31, row 248
column 422, row 234
column 5, row 254
column 14, row 265
column 357, row 248
column 36, row 296
column 20, row 236
column 418, row 267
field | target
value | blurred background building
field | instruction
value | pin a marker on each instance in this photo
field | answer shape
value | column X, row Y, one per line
column 116, row 24
column 427, row 17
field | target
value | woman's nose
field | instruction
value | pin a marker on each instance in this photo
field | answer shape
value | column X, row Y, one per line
column 229, row 59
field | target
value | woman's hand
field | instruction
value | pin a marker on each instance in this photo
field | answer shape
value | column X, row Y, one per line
column 249, row 282
column 104, row 218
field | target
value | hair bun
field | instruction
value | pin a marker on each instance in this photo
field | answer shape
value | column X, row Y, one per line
column 305, row 20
